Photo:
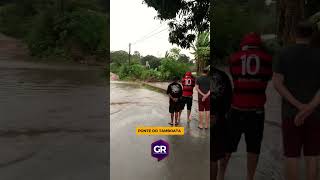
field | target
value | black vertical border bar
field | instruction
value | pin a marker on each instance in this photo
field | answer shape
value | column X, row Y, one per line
column 107, row 70
column 211, row 63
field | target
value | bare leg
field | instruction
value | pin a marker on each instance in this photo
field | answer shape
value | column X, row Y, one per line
column 226, row 161
column 200, row 119
column 252, row 162
column 292, row 168
column 207, row 118
column 176, row 118
column 172, row 117
column 222, row 168
column 214, row 170
column 311, row 167
column 188, row 114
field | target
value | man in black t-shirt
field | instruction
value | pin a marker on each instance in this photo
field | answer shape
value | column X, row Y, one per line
column 175, row 93
column 296, row 78
column 221, row 96
column 203, row 88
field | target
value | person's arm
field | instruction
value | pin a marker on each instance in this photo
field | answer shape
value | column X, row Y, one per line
column 208, row 94
column 168, row 92
column 198, row 89
column 284, row 92
column 309, row 108
column 173, row 99
column 316, row 100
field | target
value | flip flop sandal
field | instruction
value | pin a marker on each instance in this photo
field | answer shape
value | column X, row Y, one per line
column 170, row 123
column 200, row 127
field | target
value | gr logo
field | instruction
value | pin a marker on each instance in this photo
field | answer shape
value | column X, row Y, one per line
column 160, row 149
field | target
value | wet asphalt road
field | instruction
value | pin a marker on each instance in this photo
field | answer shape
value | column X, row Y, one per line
column 132, row 106
column 53, row 122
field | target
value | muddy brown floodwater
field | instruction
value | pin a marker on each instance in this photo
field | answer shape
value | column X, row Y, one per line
column 53, row 122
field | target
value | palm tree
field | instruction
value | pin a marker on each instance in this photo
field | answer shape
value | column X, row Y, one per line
column 201, row 50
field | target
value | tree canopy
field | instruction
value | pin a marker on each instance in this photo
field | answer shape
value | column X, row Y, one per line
column 187, row 17
column 68, row 29
column 153, row 61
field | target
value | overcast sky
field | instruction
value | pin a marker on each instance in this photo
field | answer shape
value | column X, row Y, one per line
column 130, row 20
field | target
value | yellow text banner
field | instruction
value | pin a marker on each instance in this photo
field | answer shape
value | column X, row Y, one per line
column 160, row 131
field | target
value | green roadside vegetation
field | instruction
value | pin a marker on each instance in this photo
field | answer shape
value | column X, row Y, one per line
column 65, row 30
column 150, row 68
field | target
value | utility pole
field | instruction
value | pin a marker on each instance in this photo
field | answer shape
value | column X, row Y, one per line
column 129, row 52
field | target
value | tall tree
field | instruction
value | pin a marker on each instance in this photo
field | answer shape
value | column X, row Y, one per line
column 187, row 17
column 153, row 61
column 173, row 53
column 183, row 58
column 201, row 50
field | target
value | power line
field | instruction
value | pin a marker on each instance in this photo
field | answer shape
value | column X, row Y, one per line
column 150, row 32
column 140, row 40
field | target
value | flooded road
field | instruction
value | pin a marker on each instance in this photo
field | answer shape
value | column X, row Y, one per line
column 53, row 122
column 132, row 106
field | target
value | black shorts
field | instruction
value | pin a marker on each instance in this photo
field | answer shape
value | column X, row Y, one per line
column 249, row 123
column 174, row 106
column 186, row 100
column 219, row 139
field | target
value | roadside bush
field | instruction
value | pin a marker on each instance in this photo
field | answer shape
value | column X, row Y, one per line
column 115, row 68
column 79, row 29
column 88, row 29
column 151, row 75
column 41, row 38
column 135, row 72
column 154, row 62
column 12, row 23
column 131, row 72
column 170, row 68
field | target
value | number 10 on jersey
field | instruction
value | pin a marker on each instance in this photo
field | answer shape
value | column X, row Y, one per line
column 248, row 67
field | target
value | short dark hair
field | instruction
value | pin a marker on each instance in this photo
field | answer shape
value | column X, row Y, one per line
column 176, row 78
column 304, row 29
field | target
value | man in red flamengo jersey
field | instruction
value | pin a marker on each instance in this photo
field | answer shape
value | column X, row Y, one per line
column 251, row 69
column 188, row 83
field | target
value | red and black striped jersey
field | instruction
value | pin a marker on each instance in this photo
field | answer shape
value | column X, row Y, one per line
column 188, row 83
column 251, row 69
